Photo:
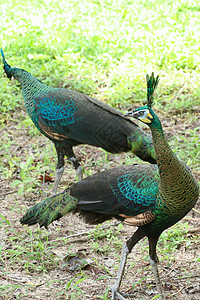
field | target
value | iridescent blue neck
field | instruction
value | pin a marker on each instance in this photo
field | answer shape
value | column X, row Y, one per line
column 155, row 123
column 159, row 141
column 23, row 76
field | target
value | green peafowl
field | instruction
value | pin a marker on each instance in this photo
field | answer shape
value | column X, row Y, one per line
column 148, row 196
column 69, row 118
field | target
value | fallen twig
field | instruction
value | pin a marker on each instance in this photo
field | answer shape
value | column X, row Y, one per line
column 186, row 277
column 194, row 209
column 8, row 193
column 194, row 230
column 82, row 233
column 179, row 92
column 25, row 143
column 192, row 219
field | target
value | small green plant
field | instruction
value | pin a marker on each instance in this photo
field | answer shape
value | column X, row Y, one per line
column 26, row 181
column 10, row 289
column 73, row 288
column 110, row 235
column 105, row 296
column 174, row 238
column 187, row 147
column 31, row 251
column 101, row 231
column 4, row 219
column 27, row 123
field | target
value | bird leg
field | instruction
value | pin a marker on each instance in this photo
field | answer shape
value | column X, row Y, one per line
column 116, row 286
column 154, row 264
column 61, row 152
column 77, row 167
column 128, row 246
column 59, row 170
column 68, row 151
column 59, row 173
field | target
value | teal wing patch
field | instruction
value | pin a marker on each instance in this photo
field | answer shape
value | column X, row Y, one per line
column 137, row 192
column 55, row 113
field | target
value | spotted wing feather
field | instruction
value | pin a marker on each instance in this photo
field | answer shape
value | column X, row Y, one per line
column 117, row 191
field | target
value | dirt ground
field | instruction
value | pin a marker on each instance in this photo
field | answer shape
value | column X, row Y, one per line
column 180, row 275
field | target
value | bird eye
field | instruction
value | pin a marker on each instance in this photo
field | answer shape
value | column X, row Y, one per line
column 140, row 113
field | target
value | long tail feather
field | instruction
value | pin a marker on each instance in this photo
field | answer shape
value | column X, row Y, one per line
column 49, row 210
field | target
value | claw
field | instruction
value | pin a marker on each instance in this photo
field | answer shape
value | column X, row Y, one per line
column 116, row 294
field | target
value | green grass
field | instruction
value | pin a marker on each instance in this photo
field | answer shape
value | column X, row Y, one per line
column 105, row 48
column 187, row 147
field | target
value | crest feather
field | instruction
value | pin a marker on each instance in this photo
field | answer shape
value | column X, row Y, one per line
column 152, row 83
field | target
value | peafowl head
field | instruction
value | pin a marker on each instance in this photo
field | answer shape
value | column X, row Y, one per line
column 7, row 67
column 145, row 114
column 19, row 74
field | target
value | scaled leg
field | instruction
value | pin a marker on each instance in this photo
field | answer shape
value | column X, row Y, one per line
column 59, row 170
column 128, row 246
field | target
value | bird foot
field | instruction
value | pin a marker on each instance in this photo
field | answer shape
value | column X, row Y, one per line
column 79, row 173
column 116, row 294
